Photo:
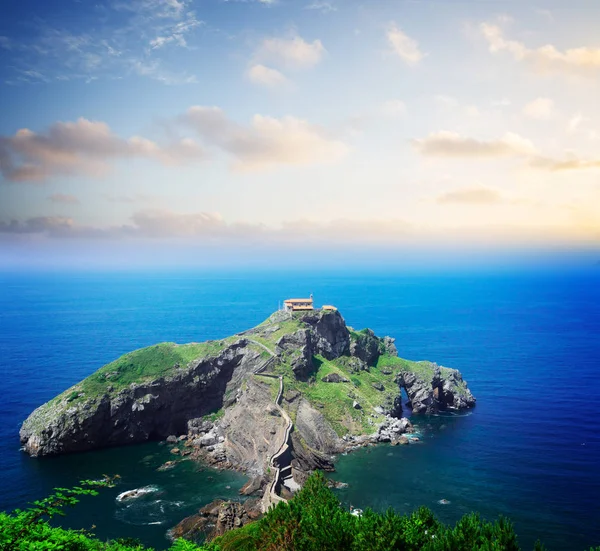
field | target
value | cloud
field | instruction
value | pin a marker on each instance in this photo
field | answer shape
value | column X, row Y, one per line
column 211, row 227
column 265, row 76
column 393, row 108
column 127, row 37
column 451, row 144
column 175, row 34
column 207, row 228
column 294, row 52
column 154, row 70
column 6, row 43
column 323, row 7
column 138, row 197
column 574, row 123
column 548, row 58
column 404, row 46
column 81, row 147
column 452, row 104
column 267, row 141
column 540, row 109
column 63, row 199
column 164, row 223
column 571, row 162
column 53, row 226
column 471, row 196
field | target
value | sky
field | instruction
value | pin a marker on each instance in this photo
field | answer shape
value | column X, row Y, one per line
column 141, row 132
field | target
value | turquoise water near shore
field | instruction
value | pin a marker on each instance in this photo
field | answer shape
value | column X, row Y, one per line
column 173, row 494
column 528, row 344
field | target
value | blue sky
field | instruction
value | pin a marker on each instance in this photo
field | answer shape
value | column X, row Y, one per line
column 227, row 126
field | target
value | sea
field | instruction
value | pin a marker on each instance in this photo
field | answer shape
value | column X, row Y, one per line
column 527, row 342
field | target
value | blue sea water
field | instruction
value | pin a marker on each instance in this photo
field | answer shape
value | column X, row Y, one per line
column 528, row 343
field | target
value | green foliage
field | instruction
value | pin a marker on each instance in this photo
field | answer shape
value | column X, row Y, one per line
column 312, row 521
column 216, row 415
column 355, row 381
column 73, row 396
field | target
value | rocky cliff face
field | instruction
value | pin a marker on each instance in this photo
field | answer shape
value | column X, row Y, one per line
column 323, row 333
column 435, row 388
column 151, row 410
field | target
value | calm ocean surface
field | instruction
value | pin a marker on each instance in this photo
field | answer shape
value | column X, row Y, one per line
column 527, row 343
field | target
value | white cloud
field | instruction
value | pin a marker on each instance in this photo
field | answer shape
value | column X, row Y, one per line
column 211, row 227
column 451, row 144
column 471, row 196
column 582, row 60
column 403, row 45
column 393, row 108
column 63, row 199
column 570, row 163
column 323, row 7
column 175, row 33
column 540, row 109
column 131, row 34
column 292, row 52
column 452, row 104
column 156, row 71
column 267, row 141
column 81, row 147
column 260, row 74
column 574, row 123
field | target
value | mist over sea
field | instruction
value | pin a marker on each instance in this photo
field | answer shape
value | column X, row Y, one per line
column 527, row 342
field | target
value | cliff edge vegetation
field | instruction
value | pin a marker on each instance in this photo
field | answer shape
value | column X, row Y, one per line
column 312, row 521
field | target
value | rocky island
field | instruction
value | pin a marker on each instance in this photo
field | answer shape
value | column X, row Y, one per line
column 276, row 401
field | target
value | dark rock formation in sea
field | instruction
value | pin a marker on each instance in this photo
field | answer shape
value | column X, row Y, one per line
column 435, row 388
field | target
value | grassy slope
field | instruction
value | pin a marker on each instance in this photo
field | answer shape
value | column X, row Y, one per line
column 153, row 362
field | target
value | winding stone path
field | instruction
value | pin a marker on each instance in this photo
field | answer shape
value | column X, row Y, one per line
column 272, row 497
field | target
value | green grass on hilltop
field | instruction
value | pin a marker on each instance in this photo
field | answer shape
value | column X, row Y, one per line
column 153, row 362
column 335, row 400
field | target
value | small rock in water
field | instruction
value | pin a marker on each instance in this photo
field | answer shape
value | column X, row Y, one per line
column 166, row 466
column 228, row 487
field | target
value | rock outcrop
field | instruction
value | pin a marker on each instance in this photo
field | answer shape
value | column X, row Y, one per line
column 215, row 519
column 435, row 388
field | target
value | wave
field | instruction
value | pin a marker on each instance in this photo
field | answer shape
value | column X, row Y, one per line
column 137, row 493
column 148, row 513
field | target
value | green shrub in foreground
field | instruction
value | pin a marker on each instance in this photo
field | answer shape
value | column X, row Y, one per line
column 312, row 521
